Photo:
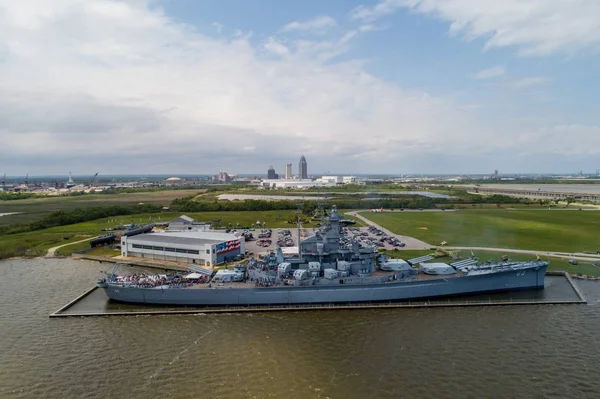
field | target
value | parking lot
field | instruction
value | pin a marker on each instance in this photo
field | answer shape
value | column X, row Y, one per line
column 265, row 240
column 372, row 236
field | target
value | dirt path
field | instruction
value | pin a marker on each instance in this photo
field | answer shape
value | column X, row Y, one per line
column 52, row 251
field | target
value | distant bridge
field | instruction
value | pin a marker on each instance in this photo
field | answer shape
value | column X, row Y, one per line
column 537, row 193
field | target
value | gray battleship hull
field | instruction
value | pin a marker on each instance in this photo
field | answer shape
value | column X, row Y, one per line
column 508, row 280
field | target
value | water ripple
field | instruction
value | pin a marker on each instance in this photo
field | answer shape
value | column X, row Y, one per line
column 536, row 351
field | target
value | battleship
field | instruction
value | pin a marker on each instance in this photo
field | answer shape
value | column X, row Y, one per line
column 331, row 267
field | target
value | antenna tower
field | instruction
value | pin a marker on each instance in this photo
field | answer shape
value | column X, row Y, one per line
column 298, row 226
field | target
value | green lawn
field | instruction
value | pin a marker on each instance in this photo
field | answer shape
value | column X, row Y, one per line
column 544, row 230
column 98, row 251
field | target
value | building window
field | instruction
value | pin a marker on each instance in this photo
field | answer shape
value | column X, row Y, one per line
column 208, row 251
column 147, row 246
column 193, row 251
column 158, row 248
column 170, row 249
column 137, row 246
column 181, row 250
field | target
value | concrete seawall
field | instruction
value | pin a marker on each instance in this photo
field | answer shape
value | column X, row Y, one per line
column 132, row 262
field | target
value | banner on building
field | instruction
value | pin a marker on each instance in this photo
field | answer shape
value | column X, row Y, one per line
column 228, row 246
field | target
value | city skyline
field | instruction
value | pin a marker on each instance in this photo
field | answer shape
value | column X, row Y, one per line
column 362, row 86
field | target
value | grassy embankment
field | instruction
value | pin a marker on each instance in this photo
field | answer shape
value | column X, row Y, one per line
column 542, row 230
column 34, row 209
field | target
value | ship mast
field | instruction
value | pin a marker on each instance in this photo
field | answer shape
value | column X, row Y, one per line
column 298, row 226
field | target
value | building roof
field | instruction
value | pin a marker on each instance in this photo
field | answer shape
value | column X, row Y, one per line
column 183, row 218
column 184, row 237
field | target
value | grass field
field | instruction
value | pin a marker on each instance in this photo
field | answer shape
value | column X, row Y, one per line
column 36, row 208
column 543, row 230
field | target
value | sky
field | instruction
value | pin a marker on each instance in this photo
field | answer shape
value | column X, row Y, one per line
column 357, row 86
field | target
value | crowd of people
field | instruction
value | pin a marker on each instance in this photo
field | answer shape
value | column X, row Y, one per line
column 143, row 280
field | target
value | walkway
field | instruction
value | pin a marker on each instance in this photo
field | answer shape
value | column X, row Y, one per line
column 52, row 251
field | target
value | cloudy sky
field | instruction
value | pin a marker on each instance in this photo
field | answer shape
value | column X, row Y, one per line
column 362, row 86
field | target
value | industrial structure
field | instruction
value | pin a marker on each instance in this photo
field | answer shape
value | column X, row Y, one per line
column 198, row 247
column 338, row 180
column 186, row 223
column 291, row 183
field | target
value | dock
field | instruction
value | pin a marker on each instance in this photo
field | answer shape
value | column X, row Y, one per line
column 67, row 311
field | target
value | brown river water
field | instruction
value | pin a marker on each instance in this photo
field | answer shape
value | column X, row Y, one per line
column 540, row 351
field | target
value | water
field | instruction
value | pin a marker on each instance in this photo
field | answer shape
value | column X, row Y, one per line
column 526, row 351
column 10, row 213
column 322, row 196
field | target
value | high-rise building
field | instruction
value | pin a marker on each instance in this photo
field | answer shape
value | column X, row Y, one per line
column 271, row 173
column 223, row 177
column 288, row 170
column 303, row 168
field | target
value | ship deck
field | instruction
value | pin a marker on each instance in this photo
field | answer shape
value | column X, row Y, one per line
column 379, row 273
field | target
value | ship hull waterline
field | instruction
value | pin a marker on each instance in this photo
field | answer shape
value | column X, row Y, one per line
column 512, row 280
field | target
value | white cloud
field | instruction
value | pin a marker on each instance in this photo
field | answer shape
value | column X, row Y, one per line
column 551, row 141
column 218, row 26
column 525, row 83
column 276, row 47
column 92, row 82
column 316, row 25
column 107, row 77
column 535, row 27
column 489, row 73
column 384, row 7
column 367, row 28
